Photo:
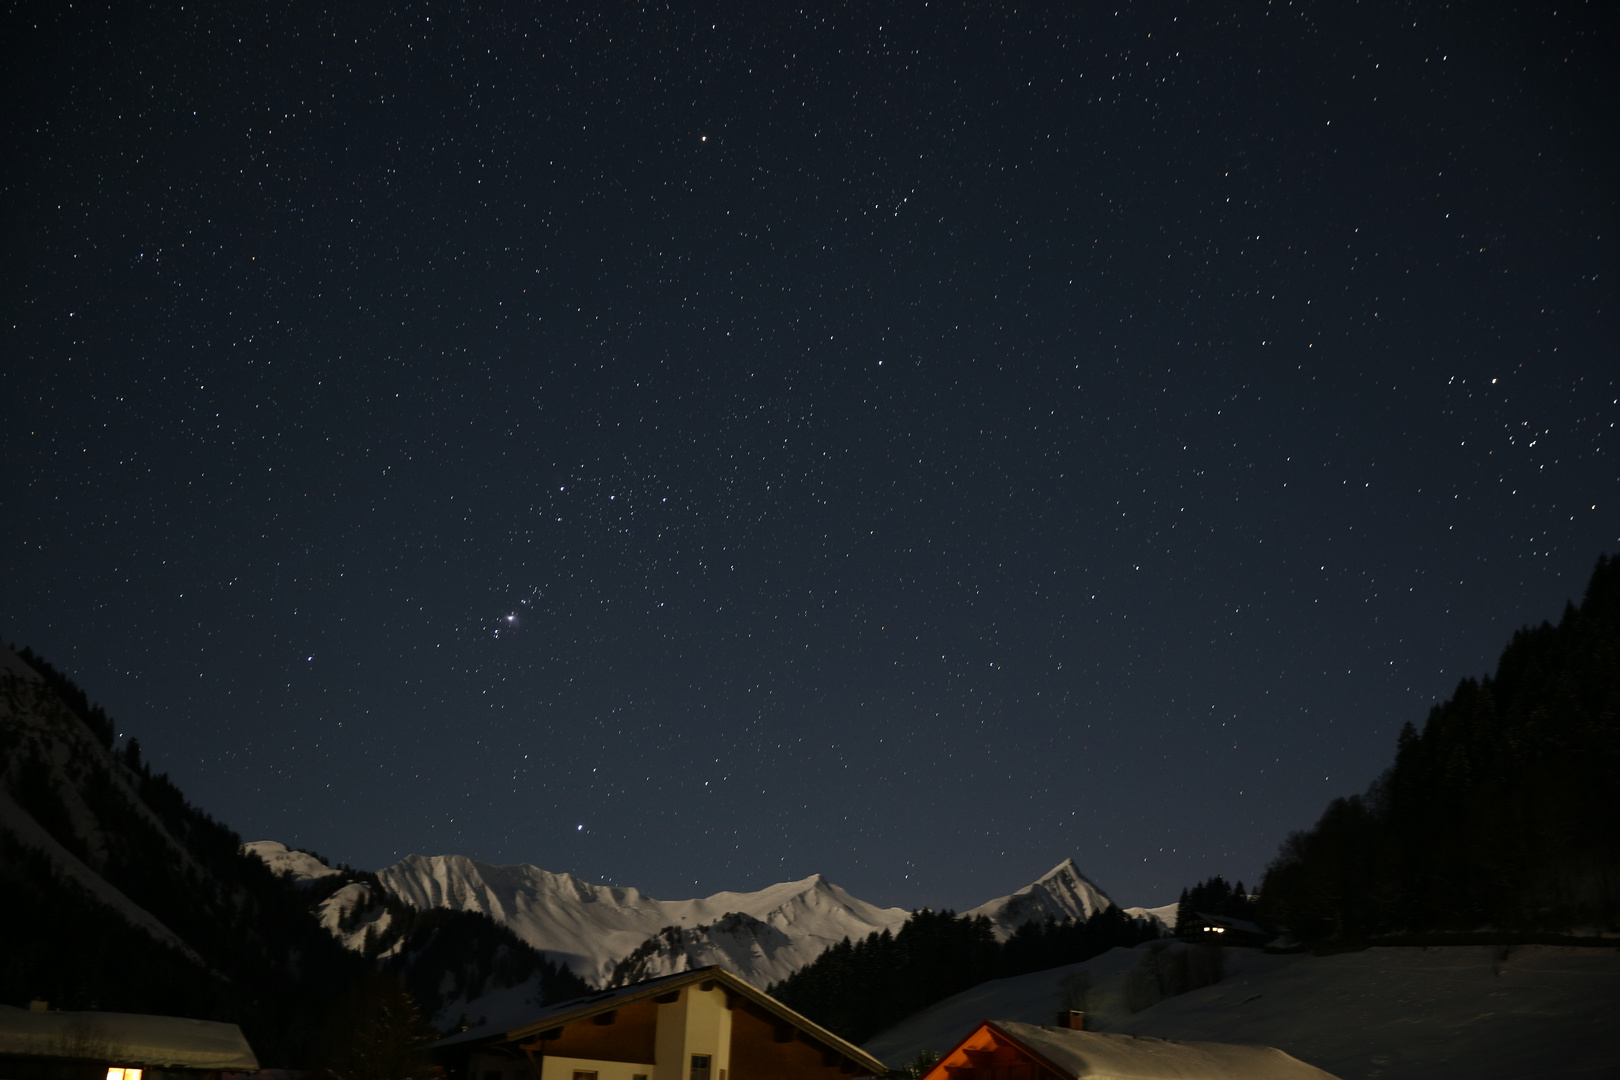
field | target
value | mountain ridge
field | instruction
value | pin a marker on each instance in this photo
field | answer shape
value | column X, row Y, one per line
column 614, row 934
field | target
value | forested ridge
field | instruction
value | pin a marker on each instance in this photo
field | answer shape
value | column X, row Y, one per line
column 1501, row 815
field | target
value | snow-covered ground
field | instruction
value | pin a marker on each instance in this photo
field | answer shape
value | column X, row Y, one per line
column 1379, row 1014
column 1033, row 999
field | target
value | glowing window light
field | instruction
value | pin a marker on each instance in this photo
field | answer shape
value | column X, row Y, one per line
column 123, row 1074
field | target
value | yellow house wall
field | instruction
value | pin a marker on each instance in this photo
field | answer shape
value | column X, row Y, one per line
column 562, row 1068
column 697, row 1023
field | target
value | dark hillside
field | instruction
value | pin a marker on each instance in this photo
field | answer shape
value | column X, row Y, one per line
column 116, row 893
column 90, row 837
column 1503, row 814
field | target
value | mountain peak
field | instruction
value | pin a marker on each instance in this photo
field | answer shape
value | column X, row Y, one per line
column 1063, row 892
column 1067, row 866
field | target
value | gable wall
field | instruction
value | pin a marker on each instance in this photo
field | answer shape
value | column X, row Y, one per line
column 563, row 1068
column 756, row 1055
column 698, row 1023
column 629, row 1038
column 987, row 1056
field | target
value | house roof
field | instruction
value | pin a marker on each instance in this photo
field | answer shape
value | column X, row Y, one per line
column 1076, row 1054
column 126, row 1039
column 567, row 1012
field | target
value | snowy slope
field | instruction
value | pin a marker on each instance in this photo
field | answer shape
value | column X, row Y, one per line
column 1388, row 1013
column 1063, row 892
column 1036, row 998
column 350, row 912
column 1399, row 1013
column 760, row 936
column 298, row 865
column 1164, row 916
column 41, row 737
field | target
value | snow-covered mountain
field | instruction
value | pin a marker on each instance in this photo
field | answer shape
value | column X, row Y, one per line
column 1063, row 892
column 300, row 866
column 611, row 936
column 762, row 936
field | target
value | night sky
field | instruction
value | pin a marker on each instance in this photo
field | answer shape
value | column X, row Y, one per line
column 909, row 442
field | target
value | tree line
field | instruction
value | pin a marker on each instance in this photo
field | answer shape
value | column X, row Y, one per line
column 1502, row 815
column 858, row 988
column 1213, row 897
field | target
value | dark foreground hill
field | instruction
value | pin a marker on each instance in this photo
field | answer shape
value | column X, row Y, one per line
column 120, row 895
column 1502, row 816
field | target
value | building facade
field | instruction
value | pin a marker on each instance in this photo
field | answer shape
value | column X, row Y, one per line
column 697, row 1025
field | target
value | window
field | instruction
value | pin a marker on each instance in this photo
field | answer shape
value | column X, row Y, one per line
column 123, row 1074
column 700, row 1067
column 581, row 1074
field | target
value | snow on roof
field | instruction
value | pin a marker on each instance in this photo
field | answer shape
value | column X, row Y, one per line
column 1129, row 1057
column 126, row 1039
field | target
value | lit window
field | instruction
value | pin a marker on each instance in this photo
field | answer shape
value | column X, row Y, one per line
column 123, row 1074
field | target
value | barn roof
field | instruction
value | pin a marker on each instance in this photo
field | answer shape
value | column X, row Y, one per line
column 1077, row 1054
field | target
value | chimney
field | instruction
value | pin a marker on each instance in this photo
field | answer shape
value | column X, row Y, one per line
column 1077, row 1020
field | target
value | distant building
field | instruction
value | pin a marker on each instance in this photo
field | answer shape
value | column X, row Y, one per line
column 38, row 1044
column 1225, row 930
column 697, row 1025
column 1007, row 1050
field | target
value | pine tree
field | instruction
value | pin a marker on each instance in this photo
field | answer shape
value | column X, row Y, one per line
column 375, row 1031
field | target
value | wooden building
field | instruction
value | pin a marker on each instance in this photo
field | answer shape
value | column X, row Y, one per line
column 1006, row 1050
column 697, row 1025
column 40, row 1044
column 1225, row 930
